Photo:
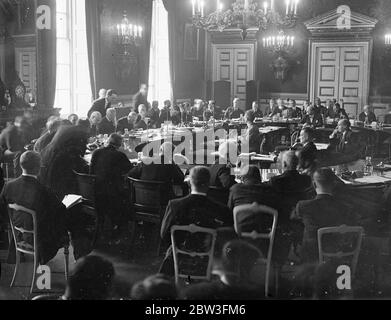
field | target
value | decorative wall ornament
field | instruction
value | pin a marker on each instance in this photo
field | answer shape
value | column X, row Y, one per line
column 280, row 67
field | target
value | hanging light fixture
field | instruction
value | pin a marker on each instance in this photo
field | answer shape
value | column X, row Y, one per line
column 244, row 14
column 128, row 34
column 387, row 39
column 279, row 42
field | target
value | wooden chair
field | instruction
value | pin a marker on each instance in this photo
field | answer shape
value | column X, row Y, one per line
column 209, row 252
column 149, row 200
column 343, row 231
column 25, row 248
column 257, row 211
column 86, row 185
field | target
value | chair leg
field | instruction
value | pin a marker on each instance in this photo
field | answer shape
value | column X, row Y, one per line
column 267, row 280
column 34, row 274
column 16, row 268
column 66, row 261
column 277, row 280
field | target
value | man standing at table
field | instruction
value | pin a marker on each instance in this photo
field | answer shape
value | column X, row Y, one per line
column 102, row 104
column 110, row 165
column 140, row 97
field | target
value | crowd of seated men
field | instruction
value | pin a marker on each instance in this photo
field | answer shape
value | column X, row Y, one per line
column 302, row 194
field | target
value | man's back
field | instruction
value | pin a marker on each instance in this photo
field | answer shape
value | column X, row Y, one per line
column 12, row 140
column 198, row 210
column 109, row 165
column 220, row 176
column 322, row 212
column 106, row 127
column 29, row 193
column 241, row 194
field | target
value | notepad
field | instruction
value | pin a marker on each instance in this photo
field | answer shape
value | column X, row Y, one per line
column 72, row 200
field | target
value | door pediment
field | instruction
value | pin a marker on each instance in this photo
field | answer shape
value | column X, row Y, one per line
column 336, row 23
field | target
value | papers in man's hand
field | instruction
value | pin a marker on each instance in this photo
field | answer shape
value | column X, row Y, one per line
column 72, row 200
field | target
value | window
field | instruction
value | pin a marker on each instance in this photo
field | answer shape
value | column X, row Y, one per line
column 73, row 90
column 160, row 88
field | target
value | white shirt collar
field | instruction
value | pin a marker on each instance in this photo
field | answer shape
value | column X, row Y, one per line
column 30, row 175
column 199, row 193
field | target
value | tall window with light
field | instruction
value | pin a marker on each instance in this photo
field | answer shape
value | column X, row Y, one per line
column 73, row 90
column 160, row 87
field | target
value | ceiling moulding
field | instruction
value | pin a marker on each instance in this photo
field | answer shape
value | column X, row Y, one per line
column 326, row 24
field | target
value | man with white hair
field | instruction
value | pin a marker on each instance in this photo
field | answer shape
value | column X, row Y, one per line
column 367, row 116
column 95, row 120
column 128, row 123
column 109, row 123
column 234, row 112
column 197, row 111
column 142, row 121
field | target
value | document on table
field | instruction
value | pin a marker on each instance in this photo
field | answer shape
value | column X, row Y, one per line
column 71, row 200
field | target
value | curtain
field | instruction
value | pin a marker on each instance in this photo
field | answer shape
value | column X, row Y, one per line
column 145, row 11
column 170, row 7
column 46, row 58
column 94, row 44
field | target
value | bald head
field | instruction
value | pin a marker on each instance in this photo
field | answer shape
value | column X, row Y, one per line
column 289, row 161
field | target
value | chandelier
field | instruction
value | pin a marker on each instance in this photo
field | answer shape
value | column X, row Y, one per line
column 279, row 43
column 128, row 34
column 244, row 14
column 387, row 39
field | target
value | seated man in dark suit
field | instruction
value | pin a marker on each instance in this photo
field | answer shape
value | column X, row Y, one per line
column 197, row 111
column 142, row 122
column 161, row 168
column 367, row 116
column 312, row 119
column 251, row 190
column 26, row 191
column 103, row 103
column 253, row 137
column 165, row 114
column 307, row 150
column 256, row 110
column 234, row 112
column 128, row 123
column 290, row 187
column 196, row 209
column 154, row 113
column 212, row 111
column 110, row 165
column 323, row 211
column 108, row 124
column 344, row 144
column 220, row 173
column 278, row 109
column 235, row 282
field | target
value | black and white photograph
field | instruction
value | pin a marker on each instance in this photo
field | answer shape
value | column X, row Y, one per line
column 189, row 157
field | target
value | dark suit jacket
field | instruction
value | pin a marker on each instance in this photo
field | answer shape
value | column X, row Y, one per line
column 241, row 194
column 307, row 156
column 220, row 176
column 257, row 114
column 198, row 210
column 254, row 140
column 141, row 125
column 123, row 124
column 106, row 127
column 322, row 212
column 154, row 116
column 109, row 165
column 291, row 187
column 51, row 220
column 230, row 113
column 278, row 111
column 315, row 122
column 100, row 105
column 139, row 99
column 169, row 173
column 371, row 117
column 348, row 144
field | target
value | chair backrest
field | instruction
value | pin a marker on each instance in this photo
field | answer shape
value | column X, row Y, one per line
column 20, row 244
column 87, row 186
column 149, row 194
column 347, row 233
column 219, row 195
column 222, row 93
column 206, row 253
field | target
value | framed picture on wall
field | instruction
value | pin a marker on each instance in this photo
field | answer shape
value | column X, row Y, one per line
column 191, row 43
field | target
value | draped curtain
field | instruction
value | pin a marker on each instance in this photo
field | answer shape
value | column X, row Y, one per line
column 94, row 44
column 145, row 6
column 47, row 58
column 170, row 7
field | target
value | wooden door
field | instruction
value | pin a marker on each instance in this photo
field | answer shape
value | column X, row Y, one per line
column 340, row 71
column 234, row 63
